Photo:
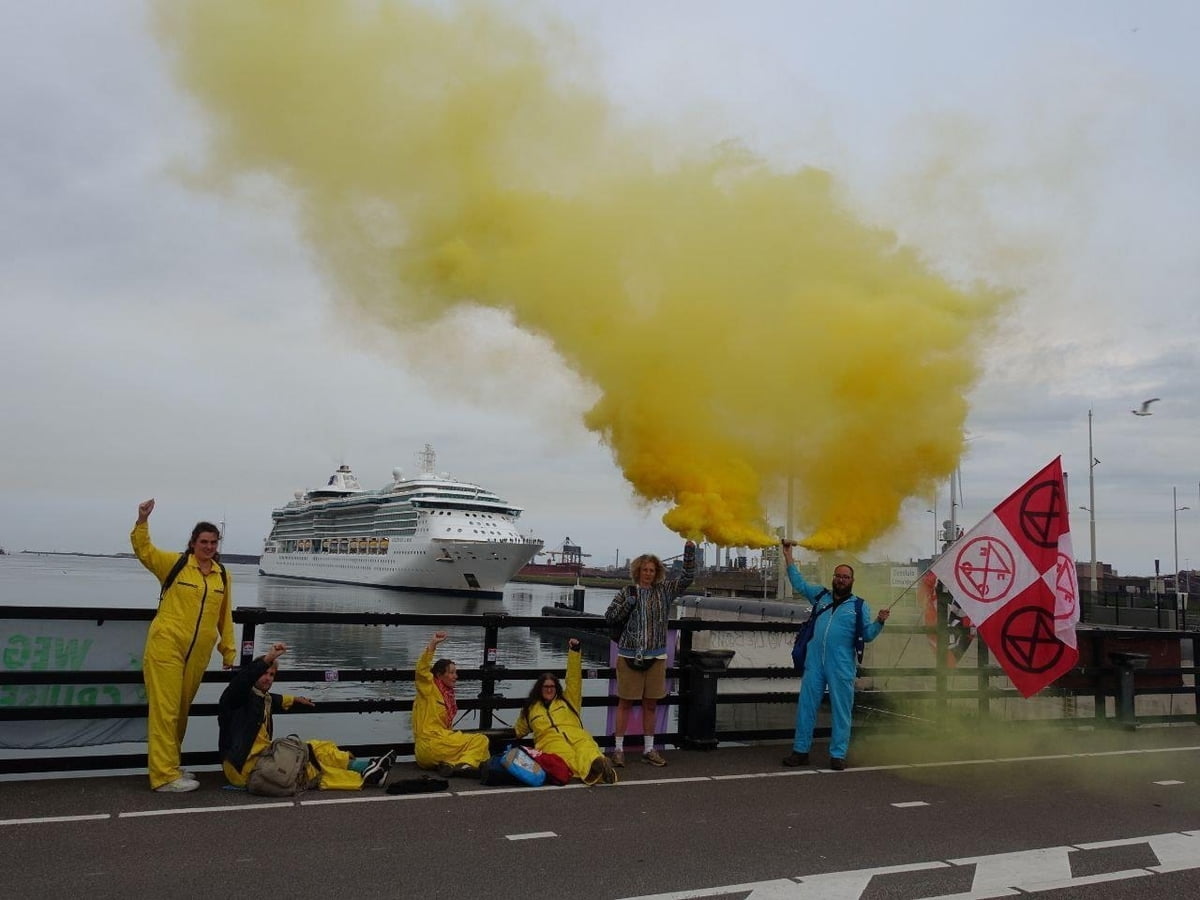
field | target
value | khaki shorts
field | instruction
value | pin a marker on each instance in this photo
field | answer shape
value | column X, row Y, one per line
column 648, row 685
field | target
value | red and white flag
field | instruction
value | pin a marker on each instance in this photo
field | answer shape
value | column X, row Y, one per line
column 1014, row 576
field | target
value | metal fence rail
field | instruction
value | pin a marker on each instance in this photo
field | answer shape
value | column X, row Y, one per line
column 935, row 692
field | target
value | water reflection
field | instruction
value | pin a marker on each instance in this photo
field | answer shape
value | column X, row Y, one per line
column 338, row 646
column 332, row 647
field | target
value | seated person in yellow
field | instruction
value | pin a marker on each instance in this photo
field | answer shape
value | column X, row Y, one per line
column 438, row 745
column 553, row 717
column 244, row 717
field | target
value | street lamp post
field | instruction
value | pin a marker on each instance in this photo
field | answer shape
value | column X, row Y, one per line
column 933, row 512
column 1175, row 517
column 1091, row 507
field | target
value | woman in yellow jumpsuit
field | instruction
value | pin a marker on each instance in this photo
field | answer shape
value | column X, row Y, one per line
column 192, row 612
column 552, row 714
column 438, row 745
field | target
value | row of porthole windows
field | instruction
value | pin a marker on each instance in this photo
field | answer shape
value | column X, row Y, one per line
column 378, row 568
column 336, row 545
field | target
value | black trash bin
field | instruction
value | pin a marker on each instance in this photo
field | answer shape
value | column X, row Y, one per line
column 699, row 720
column 1127, row 664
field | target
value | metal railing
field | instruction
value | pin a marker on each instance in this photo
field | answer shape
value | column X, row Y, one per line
column 1097, row 678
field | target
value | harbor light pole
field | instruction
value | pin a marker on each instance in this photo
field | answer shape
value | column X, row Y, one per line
column 1092, row 463
column 1175, row 517
column 933, row 512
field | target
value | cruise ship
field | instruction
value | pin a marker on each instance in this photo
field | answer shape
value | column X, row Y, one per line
column 427, row 533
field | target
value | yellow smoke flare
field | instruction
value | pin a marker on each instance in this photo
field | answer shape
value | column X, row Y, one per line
column 743, row 329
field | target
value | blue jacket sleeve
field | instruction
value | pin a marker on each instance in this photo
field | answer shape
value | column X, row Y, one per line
column 871, row 626
column 800, row 586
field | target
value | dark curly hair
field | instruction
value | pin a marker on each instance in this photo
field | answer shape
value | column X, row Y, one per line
column 535, row 694
column 204, row 528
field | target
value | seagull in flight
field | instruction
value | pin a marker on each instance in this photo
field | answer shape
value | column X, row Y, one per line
column 1145, row 410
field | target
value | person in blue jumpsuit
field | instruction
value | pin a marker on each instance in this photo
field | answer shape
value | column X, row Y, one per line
column 831, row 660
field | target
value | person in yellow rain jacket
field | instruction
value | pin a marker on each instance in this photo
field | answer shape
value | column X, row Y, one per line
column 244, row 715
column 193, row 611
column 552, row 714
column 438, row 745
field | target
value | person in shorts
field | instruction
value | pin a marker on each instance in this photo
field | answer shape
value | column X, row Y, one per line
column 643, row 609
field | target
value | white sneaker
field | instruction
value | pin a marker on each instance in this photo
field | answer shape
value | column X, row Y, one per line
column 179, row 786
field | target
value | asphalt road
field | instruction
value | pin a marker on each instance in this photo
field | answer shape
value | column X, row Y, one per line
column 1109, row 814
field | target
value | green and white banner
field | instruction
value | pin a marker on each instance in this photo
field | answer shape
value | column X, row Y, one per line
column 70, row 645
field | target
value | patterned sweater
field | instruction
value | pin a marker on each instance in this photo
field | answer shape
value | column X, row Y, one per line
column 647, row 611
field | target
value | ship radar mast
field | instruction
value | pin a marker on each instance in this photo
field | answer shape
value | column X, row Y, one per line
column 427, row 459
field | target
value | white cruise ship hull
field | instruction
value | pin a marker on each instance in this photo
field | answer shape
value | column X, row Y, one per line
column 412, row 564
column 430, row 533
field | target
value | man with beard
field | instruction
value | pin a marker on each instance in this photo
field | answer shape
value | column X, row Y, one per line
column 833, row 656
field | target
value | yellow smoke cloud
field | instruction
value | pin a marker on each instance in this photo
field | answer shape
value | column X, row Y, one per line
column 742, row 327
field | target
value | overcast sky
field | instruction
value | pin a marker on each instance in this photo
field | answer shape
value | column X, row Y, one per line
column 158, row 339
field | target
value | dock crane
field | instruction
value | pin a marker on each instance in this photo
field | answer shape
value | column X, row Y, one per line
column 570, row 554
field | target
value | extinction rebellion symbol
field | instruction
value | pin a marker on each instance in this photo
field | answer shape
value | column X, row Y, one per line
column 1028, row 639
column 984, row 569
column 1041, row 512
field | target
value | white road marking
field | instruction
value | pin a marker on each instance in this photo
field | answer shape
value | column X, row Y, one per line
column 1175, row 852
column 504, row 791
column 202, row 809
column 771, row 773
column 763, row 775
column 47, row 819
column 850, row 885
column 910, row 804
column 997, row 875
column 373, row 798
column 1168, row 783
column 533, row 835
column 642, row 781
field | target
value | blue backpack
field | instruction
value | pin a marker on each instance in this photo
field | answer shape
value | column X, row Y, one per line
column 805, row 635
column 512, row 767
column 523, row 767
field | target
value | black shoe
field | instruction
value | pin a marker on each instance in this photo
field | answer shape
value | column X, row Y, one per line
column 610, row 773
column 595, row 770
column 377, row 770
column 796, row 759
column 837, row 764
column 445, row 770
column 466, row 770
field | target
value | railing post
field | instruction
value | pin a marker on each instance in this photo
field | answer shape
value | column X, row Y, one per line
column 1195, row 677
column 1100, row 696
column 683, row 651
column 943, row 651
column 984, row 683
column 1127, row 664
column 487, row 688
column 698, row 719
column 247, row 654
